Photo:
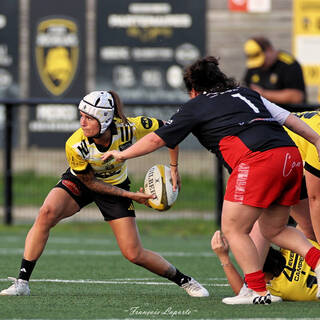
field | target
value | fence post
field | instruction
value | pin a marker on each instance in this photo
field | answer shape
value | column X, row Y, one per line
column 7, row 152
column 219, row 189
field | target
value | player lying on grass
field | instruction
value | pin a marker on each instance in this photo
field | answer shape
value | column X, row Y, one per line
column 103, row 127
column 287, row 275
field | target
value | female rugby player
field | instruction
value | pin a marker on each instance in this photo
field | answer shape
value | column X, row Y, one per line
column 264, row 163
column 89, row 179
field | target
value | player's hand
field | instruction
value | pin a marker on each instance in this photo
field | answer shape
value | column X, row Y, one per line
column 219, row 244
column 142, row 197
column 175, row 176
column 113, row 154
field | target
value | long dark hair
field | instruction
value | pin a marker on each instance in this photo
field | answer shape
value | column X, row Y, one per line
column 205, row 75
column 118, row 110
column 275, row 262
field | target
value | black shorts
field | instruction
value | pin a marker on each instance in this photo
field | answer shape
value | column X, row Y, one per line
column 111, row 207
column 303, row 193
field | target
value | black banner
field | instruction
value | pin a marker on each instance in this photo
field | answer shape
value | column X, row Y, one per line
column 142, row 47
column 9, row 31
column 57, row 50
column 9, row 61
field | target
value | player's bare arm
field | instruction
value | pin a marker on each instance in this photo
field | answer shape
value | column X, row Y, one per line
column 283, row 96
column 220, row 246
column 296, row 125
column 147, row 144
column 88, row 178
column 175, row 176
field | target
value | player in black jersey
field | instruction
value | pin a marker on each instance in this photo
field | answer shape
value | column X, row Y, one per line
column 88, row 179
column 236, row 124
column 275, row 74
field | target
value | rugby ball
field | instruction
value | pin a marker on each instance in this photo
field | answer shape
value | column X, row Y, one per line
column 158, row 182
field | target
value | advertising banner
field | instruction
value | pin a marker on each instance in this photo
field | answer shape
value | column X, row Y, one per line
column 306, row 35
column 142, row 47
column 9, row 55
column 57, row 68
column 250, row 5
column 9, row 59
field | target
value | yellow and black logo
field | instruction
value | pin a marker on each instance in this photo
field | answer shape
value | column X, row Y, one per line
column 57, row 53
column 146, row 122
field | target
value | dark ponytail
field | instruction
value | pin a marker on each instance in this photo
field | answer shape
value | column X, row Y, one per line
column 205, row 75
column 118, row 110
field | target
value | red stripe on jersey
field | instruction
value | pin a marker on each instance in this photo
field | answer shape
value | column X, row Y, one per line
column 233, row 150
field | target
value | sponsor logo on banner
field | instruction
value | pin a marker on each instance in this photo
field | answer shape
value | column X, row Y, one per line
column 57, row 53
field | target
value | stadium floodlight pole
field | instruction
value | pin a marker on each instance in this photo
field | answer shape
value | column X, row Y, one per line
column 7, row 151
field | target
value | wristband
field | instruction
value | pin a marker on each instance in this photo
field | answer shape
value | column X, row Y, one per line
column 226, row 264
column 173, row 165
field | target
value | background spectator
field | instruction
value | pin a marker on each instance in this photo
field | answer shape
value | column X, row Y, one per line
column 275, row 74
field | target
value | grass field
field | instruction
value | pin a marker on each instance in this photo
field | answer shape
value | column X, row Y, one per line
column 82, row 275
column 30, row 189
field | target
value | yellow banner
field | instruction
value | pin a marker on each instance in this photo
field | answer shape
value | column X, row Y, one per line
column 306, row 38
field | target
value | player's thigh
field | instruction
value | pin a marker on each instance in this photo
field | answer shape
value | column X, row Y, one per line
column 126, row 233
column 59, row 204
column 301, row 214
column 273, row 220
column 238, row 218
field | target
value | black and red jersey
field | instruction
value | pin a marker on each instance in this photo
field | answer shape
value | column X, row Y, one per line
column 229, row 124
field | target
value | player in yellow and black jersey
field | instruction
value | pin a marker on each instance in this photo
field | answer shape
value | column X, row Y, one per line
column 307, row 212
column 82, row 151
column 297, row 281
column 89, row 179
column 287, row 274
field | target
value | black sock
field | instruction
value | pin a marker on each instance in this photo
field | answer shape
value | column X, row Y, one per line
column 180, row 278
column 26, row 269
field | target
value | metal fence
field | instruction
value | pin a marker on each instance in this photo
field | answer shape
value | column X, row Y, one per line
column 211, row 166
column 16, row 157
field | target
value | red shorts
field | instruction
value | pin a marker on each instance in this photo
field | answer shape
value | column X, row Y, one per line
column 264, row 178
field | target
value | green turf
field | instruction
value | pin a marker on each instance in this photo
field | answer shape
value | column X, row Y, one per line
column 89, row 252
column 30, row 189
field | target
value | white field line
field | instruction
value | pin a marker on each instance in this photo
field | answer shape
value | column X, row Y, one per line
column 120, row 281
column 59, row 240
column 13, row 251
column 131, row 318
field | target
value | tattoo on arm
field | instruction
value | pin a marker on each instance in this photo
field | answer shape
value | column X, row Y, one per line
column 88, row 178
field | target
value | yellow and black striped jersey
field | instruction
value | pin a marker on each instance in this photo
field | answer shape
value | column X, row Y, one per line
column 307, row 150
column 297, row 281
column 82, row 151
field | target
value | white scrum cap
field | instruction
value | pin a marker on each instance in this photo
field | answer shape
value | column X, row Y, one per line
column 99, row 105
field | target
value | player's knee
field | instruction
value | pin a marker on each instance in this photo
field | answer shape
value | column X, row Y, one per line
column 228, row 230
column 134, row 255
column 270, row 233
column 47, row 216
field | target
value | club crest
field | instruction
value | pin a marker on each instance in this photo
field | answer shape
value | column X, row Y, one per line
column 57, row 53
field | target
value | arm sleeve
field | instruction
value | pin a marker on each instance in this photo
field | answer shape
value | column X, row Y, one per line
column 277, row 112
column 76, row 162
column 145, row 125
column 179, row 126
